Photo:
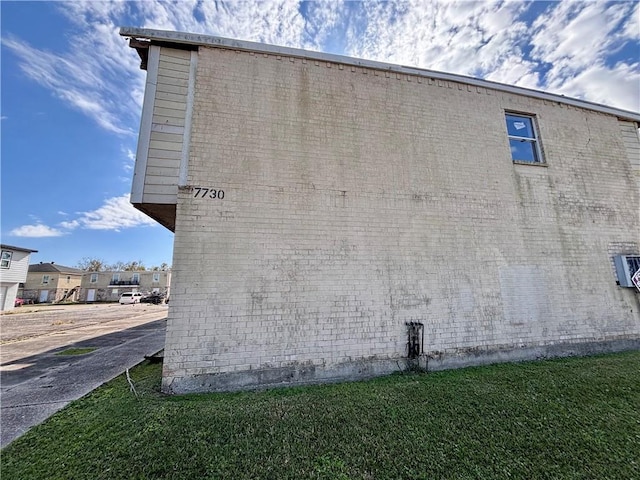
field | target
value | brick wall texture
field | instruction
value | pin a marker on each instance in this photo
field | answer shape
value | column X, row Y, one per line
column 356, row 200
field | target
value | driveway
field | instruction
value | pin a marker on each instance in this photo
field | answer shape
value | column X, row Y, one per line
column 36, row 382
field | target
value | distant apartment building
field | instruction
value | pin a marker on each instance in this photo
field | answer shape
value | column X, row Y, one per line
column 338, row 218
column 14, row 264
column 108, row 286
column 51, row 283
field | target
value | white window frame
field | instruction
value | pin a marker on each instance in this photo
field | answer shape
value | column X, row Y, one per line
column 115, row 278
column 46, row 279
column 135, row 277
column 535, row 139
column 93, row 278
column 156, row 278
column 7, row 255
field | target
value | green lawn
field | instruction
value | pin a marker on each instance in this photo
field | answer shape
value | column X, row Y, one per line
column 576, row 418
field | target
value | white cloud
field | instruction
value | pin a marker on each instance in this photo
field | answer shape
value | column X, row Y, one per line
column 632, row 26
column 567, row 49
column 4, row 117
column 471, row 38
column 576, row 39
column 70, row 225
column 115, row 214
column 129, row 163
column 36, row 231
column 594, row 83
column 78, row 79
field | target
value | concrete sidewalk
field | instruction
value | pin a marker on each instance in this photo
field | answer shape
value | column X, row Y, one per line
column 36, row 383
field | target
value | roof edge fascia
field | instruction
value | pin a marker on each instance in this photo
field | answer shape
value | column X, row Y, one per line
column 18, row 249
column 229, row 43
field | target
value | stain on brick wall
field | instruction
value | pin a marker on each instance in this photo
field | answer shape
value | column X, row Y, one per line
column 355, row 201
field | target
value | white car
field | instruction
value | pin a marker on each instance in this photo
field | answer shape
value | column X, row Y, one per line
column 130, row 297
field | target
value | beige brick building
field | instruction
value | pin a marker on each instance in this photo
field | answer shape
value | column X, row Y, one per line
column 51, row 283
column 107, row 286
column 337, row 218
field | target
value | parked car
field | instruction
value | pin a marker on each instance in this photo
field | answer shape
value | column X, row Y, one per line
column 130, row 297
column 155, row 298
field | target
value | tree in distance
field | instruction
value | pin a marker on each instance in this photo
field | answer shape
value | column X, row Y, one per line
column 89, row 264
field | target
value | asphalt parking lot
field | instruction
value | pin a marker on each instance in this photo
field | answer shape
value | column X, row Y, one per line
column 36, row 381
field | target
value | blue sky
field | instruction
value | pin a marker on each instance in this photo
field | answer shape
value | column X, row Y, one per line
column 72, row 90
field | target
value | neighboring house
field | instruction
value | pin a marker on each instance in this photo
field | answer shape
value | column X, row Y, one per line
column 108, row 286
column 52, row 283
column 338, row 218
column 14, row 263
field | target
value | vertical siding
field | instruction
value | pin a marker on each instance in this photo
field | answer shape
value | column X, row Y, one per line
column 167, row 137
column 12, row 276
column 17, row 272
column 632, row 145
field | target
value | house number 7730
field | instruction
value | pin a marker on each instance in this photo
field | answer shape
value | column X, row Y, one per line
column 201, row 192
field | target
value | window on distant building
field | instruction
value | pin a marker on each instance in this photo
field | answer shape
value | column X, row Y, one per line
column 116, row 278
column 45, row 279
column 94, row 278
column 156, row 278
column 135, row 279
column 523, row 138
column 6, row 258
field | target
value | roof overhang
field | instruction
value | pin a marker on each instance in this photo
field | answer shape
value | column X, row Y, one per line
column 18, row 249
column 141, row 38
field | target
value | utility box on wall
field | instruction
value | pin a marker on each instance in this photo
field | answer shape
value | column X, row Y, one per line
column 626, row 267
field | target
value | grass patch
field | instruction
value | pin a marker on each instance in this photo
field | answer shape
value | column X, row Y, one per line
column 77, row 351
column 576, row 418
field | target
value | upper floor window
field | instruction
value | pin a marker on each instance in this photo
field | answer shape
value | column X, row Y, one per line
column 45, row 279
column 156, row 278
column 94, row 278
column 116, row 278
column 135, row 278
column 523, row 139
column 6, row 259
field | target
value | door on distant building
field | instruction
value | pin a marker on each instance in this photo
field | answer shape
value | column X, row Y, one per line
column 91, row 295
column 44, row 296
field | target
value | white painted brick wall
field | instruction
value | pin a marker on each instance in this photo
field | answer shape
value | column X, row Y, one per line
column 357, row 200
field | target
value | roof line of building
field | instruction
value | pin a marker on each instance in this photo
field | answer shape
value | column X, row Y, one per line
column 49, row 267
column 19, row 249
column 228, row 43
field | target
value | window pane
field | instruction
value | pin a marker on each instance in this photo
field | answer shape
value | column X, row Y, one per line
column 520, row 126
column 523, row 151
